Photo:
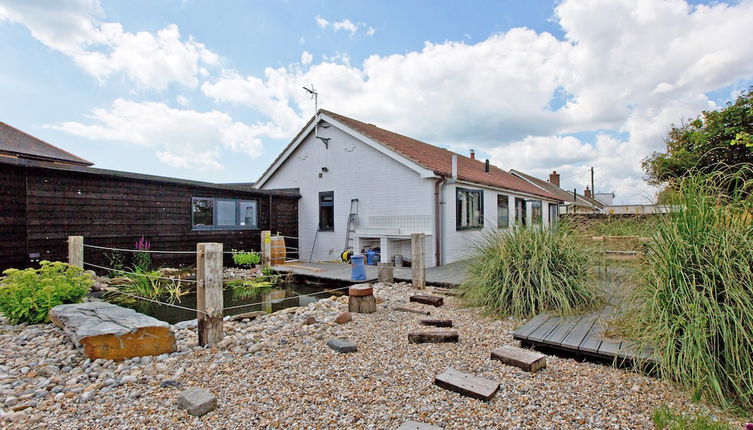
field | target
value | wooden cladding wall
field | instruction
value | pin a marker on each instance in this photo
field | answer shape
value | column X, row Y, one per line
column 12, row 217
column 114, row 211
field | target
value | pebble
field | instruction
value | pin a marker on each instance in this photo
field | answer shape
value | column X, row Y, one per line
column 277, row 372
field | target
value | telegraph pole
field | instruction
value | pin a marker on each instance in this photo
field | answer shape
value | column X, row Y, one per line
column 593, row 190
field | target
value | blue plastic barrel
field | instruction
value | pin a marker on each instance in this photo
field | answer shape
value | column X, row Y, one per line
column 358, row 271
column 370, row 257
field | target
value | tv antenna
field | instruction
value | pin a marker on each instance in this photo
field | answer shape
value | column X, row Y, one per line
column 314, row 95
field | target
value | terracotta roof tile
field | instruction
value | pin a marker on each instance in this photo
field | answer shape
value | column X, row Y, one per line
column 439, row 160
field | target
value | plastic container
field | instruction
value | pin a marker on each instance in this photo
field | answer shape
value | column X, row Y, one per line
column 358, row 270
column 372, row 258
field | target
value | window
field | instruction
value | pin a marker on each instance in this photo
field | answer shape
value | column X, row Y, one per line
column 554, row 214
column 327, row 211
column 536, row 212
column 520, row 211
column 223, row 214
column 503, row 211
column 470, row 209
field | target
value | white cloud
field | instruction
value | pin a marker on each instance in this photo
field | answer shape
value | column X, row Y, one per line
column 182, row 100
column 306, row 58
column 345, row 25
column 181, row 138
column 321, row 22
column 76, row 28
column 625, row 71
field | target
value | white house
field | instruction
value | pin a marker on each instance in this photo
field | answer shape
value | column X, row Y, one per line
column 394, row 186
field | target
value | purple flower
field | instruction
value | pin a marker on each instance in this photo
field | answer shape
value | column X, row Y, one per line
column 749, row 426
column 142, row 244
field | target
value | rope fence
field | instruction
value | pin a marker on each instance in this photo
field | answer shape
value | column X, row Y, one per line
column 190, row 281
column 151, row 251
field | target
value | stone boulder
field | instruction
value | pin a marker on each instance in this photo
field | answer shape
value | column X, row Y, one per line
column 104, row 330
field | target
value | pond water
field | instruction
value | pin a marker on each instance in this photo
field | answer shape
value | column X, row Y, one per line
column 295, row 293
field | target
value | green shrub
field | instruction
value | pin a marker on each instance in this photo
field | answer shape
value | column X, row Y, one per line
column 148, row 284
column 26, row 296
column 243, row 258
column 524, row 271
column 694, row 303
column 667, row 419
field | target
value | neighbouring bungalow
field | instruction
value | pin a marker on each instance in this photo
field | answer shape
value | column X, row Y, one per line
column 47, row 194
column 363, row 187
column 572, row 202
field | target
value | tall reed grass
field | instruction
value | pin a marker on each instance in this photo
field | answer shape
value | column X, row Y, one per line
column 524, row 271
column 694, row 303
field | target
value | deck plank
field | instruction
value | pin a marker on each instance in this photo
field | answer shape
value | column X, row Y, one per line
column 526, row 329
column 541, row 333
column 573, row 339
column 565, row 327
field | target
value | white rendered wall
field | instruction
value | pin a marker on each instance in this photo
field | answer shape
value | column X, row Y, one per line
column 459, row 244
column 354, row 171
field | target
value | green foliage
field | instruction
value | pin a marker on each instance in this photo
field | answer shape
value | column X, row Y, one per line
column 115, row 261
column 715, row 140
column 694, row 302
column 250, row 288
column 148, row 284
column 613, row 225
column 26, row 296
column 142, row 262
column 243, row 258
column 667, row 419
column 525, row 271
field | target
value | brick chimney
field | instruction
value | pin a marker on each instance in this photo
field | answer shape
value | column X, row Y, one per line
column 554, row 178
column 587, row 192
column 473, row 154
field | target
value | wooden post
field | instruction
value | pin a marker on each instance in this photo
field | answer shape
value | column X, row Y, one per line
column 386, row 273
column 76, row 251
column 266, row 248
column 209, row 292
column 418, row 263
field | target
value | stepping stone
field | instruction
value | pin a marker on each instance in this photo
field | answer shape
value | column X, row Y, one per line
column 413, row 311
column 435, row 301
column 530, row 361
column 197, row 401
column 342, row 346
column 436, row 323
column 107, row 331
column 467, row 385
column 413, row 425
column 432, row 336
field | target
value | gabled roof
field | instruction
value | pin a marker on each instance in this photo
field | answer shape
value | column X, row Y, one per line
column 564, row 195
column 16, row 143
column 429, row 157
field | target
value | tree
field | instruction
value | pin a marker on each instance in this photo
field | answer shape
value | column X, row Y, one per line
column 715, row 140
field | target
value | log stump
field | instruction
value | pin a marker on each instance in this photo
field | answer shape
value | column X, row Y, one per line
column 361, row 299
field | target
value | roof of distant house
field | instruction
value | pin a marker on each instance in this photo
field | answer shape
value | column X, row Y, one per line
column 16, row 143
column 430, row 157
column 564, row 195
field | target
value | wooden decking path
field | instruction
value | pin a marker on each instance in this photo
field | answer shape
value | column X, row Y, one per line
column 450, row 275
column 584, row 335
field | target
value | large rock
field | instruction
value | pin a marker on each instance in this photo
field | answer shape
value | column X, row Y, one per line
column 104, row 330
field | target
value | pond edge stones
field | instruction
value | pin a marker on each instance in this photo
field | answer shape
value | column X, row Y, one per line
column 197, row 401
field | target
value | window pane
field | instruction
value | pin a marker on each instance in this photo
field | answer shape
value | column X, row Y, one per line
column 503, row 212
column 470, row 208
column 225, row 212
column 520, row 211
column 536, row 212
column 248, row 214
column 327, row 210
column 203, row 212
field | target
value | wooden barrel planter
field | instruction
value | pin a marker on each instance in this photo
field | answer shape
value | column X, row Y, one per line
column 278, row 250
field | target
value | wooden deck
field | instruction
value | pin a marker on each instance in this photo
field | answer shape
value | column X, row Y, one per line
column 584, row 335
column 448, row 276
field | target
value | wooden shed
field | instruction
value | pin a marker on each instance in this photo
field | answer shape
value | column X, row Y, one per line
column 44, row 198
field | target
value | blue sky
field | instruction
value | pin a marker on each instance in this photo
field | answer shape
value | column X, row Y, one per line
column 212, row 90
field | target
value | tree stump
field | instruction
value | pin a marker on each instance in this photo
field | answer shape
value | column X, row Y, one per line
column 361, row 299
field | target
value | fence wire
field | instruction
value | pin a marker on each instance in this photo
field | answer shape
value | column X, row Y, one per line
column 151, row 251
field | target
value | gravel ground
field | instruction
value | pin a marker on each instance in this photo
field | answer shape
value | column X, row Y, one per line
column 276, row 372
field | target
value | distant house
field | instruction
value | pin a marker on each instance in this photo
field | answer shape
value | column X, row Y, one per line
column 572, row 202
column 362, row 187
column 47, row 194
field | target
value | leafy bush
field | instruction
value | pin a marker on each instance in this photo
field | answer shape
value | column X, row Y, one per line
column 695, row 298
column 243, row 258
column 525, row 271
column 26, row 296
column 667, row 419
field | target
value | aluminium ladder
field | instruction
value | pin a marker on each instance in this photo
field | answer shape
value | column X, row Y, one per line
column 352, row 221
